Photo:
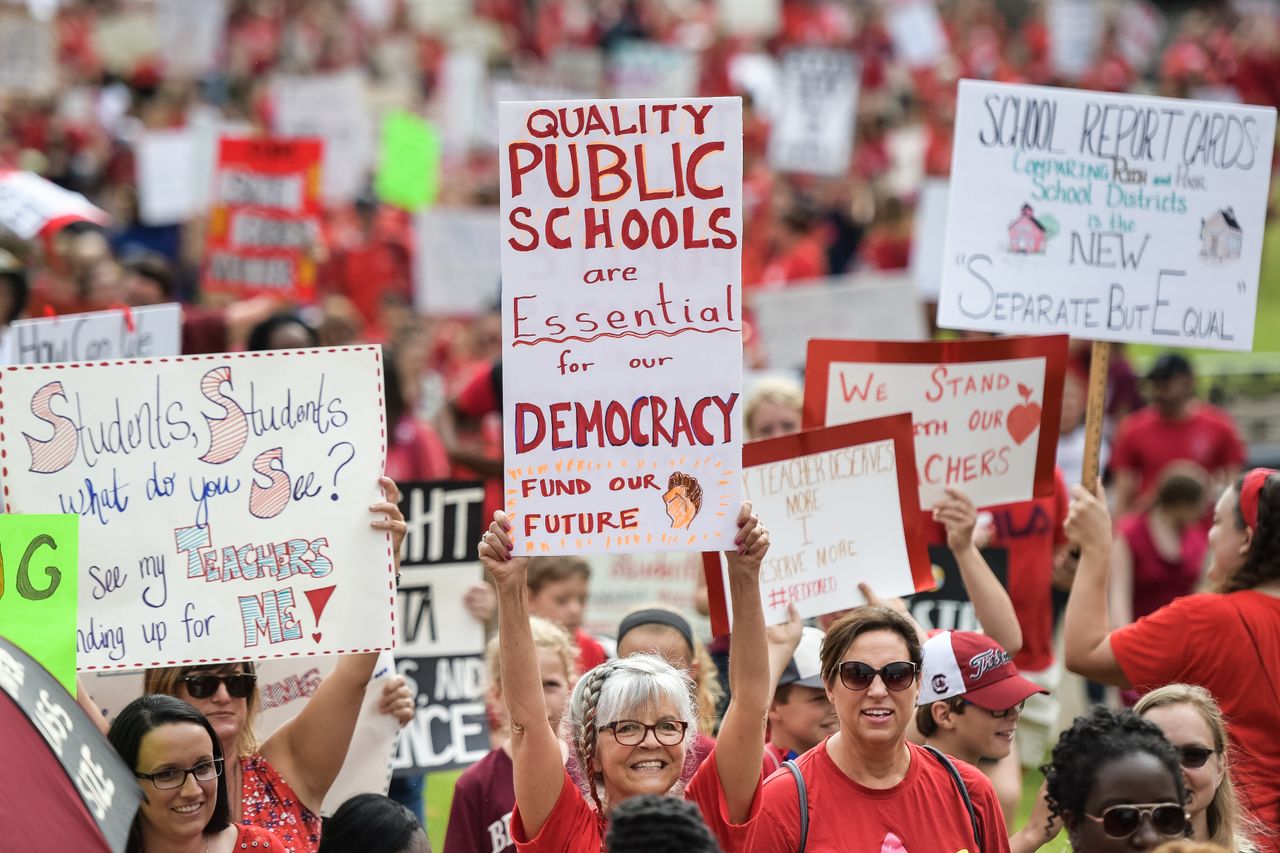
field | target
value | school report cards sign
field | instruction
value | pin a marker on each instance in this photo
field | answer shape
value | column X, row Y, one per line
column 1109, row 217
column 622, row 334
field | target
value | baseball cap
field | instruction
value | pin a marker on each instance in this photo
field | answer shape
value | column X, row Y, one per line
column 972, row 665
column 805, row 667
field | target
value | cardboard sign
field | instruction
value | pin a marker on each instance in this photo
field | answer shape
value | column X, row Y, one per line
column 408, row 162
column 167, row 190
column 749, row 17
column 622, row 333
column 125, row 39
column 223, row 500
column 621, row 583
column 1075, row 33
column 649, row 69
column 919, row 39
column 947, row 606
column 985, row 412
column 1109, row 217
column 805, row 487
column 191, row 35
column 928, row 234
column 445, row 519
column 265, row 217
column 28, row 62
column 151, row 330
column 819, row 105
column 38, row 581
column 455, row 270
column 30, row 205
column 865, row 305
column 333, row 108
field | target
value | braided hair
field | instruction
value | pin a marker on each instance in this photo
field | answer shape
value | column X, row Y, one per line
column 1262, row 562
column 1095, row 740
column 651, row 824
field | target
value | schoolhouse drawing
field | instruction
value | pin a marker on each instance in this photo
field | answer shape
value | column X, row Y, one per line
column 1220, row 236
column 1026, row 234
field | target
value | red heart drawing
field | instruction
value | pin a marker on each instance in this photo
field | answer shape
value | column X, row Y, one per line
column 1023, row 420
column 316, row 636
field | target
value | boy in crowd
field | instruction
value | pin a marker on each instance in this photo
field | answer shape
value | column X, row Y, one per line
column 558, row 589
column 801, row 716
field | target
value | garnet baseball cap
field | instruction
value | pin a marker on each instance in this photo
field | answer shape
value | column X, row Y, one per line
column 972, row 665
column 805, row 668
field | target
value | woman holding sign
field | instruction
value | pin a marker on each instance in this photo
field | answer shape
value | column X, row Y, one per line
column 1225, row 641
column 631, row 720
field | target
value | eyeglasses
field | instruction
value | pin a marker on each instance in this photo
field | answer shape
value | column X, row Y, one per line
column 202, row 686
column 633, row 732
column 1000, row 715
column 205, row 771
column 1168, row 819
column 1195, row 756
column 857, row 675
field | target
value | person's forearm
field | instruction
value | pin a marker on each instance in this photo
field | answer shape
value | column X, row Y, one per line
column 1085, row 622
column 521, row 677
column 748, row 681
column 1026, row 840
column 991, row 603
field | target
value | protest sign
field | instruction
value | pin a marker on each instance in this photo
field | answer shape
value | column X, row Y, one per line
column 928, row 233
column 865, row 305
column 333, row 108
column 985, row 412
column 38, row 582
column 622, row 334
column 31, row 205
column 167, row 190
column 749, row 17
column 191, row 35
column 805, row 486
column 1108, row 217
column 408, row 161
column 1140, row 28
column 919, row 39
column 648, row 69
column 437, row 16
column 1075, row 30
column 445, row 520
column 151, row 330
column 264, row 219
column 28, row 65
column 947, row 607
column 223, row 500
column 621, row 583
column 125, row 39
column 813, row 133
column 456, row 271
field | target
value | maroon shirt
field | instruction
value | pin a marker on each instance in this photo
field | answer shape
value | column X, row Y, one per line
column 480, row 818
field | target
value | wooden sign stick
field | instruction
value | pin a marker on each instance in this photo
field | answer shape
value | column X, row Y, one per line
column 1099, row 363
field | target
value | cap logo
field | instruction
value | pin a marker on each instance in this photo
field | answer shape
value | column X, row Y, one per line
column 939, row 683
column 985, row 661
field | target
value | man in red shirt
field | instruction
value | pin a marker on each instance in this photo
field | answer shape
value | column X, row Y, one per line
column 1175, row 427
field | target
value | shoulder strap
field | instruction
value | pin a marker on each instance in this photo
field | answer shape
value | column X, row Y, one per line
column 1263, row 665
column 964, row 792
column 804, row 803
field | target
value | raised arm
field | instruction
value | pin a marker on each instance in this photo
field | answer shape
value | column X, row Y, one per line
column 783, row 641
column 1120, row 583
column 991, row 603
column 740, row 746
column 535, row 750
column 1086, row 631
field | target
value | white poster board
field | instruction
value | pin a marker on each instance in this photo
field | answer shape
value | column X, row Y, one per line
column 169, row 192
column 928, row 234
column 622, row 337
column 28, row 64
column 148, row 331
column 191, row 35
column 621, row 583
column 29, row 204
column 456, row 270
column 918, row 37
column 813, row 133
column 223, row 501
column 332, row 107
column 647, row 69
column 1108, row 217
column 749, row 17
column 1075, row 34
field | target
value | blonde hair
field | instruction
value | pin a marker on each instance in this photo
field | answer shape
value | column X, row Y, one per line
column 547, row 637
column 707, row 689
column 780, row 392
column 166, row 680
column 1229, row 824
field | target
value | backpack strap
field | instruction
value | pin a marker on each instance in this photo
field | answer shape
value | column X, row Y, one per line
column 963, row 789
column 804, row 802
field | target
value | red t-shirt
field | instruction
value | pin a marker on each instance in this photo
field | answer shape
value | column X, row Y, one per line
column 1228, row 644
column 572, row 826
column 1157, row 580
column 1146, row 442
column 480, row 817
column 924, row 813
column 590, row 653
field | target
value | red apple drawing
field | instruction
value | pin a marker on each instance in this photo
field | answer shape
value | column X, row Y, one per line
column 1023, row 418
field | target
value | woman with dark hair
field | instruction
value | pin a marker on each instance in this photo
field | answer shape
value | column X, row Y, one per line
column 372, row 823
column 652, row 824
column 285, row 330
column 174, row 752
column 1116, row 784
column 1227, row 641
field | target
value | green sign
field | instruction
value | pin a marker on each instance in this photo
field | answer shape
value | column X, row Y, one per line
column 39, row 589
column 408, row 162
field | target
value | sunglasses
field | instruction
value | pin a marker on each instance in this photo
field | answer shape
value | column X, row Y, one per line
column 239, row 685
column 857, row 675
column 1194, row 756
column 1168, row 819
column 1000, row 715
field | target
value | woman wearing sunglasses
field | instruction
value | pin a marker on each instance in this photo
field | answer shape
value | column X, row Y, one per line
column 1226, row 641
column 867, row 787
column 176, row 756
column 1193, row 723
column 1116, row 784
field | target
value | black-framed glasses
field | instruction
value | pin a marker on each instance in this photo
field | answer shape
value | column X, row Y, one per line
column 174, row 777
column 633, row 732
column 1194, row 756
column 857, row 675
column 205, row 684
column 1000, row 715
column 1168, row 819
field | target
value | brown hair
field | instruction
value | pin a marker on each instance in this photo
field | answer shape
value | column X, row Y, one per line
column 547, row 637
column 779, row 392
column 166, row 680
column 859, row 621
column 1262, row 562
column 925, row 722
column 545, row 570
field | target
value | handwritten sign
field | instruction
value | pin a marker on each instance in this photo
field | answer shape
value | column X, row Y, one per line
column 333, row 108
column 819, row 104
column 38, row 590
column 456, row 271
column 749, row 17
column 622, row 336
column 152, row 330
column 222, row 500
column 1106, row 216
column 30, row 205
column 928, row 234
column 919, row 39
column 168, row 193
column 985, row 413
column 649, row 69
column 265, row 217
column 445, row 520
column 28, row 61
column 947, row 607
column 191, row 35
column 806, row 486
column 621, row 583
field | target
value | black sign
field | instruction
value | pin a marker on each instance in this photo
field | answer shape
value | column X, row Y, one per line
column 948, row 608
column 451, row 728
column 445, row 518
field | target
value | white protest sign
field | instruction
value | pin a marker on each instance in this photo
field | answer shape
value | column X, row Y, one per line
column 621, row 583
column 456, row 271
column 191, row 34
column 928, row 234
column 819, row 103
column 749, row 17
column 153, row 330
column 1140, row 27
column 125, row 38
column 622, row 336
column 168, row 188
column 807, row 485
column 918, row 37
column 985, row 413
column 223, row 500
column 1075, row 34
column 29, row 204
column 1109, row 217
column 646, row 69
column 438, row 16
column 28, row 63
column 865, row 305
column 333, row 108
